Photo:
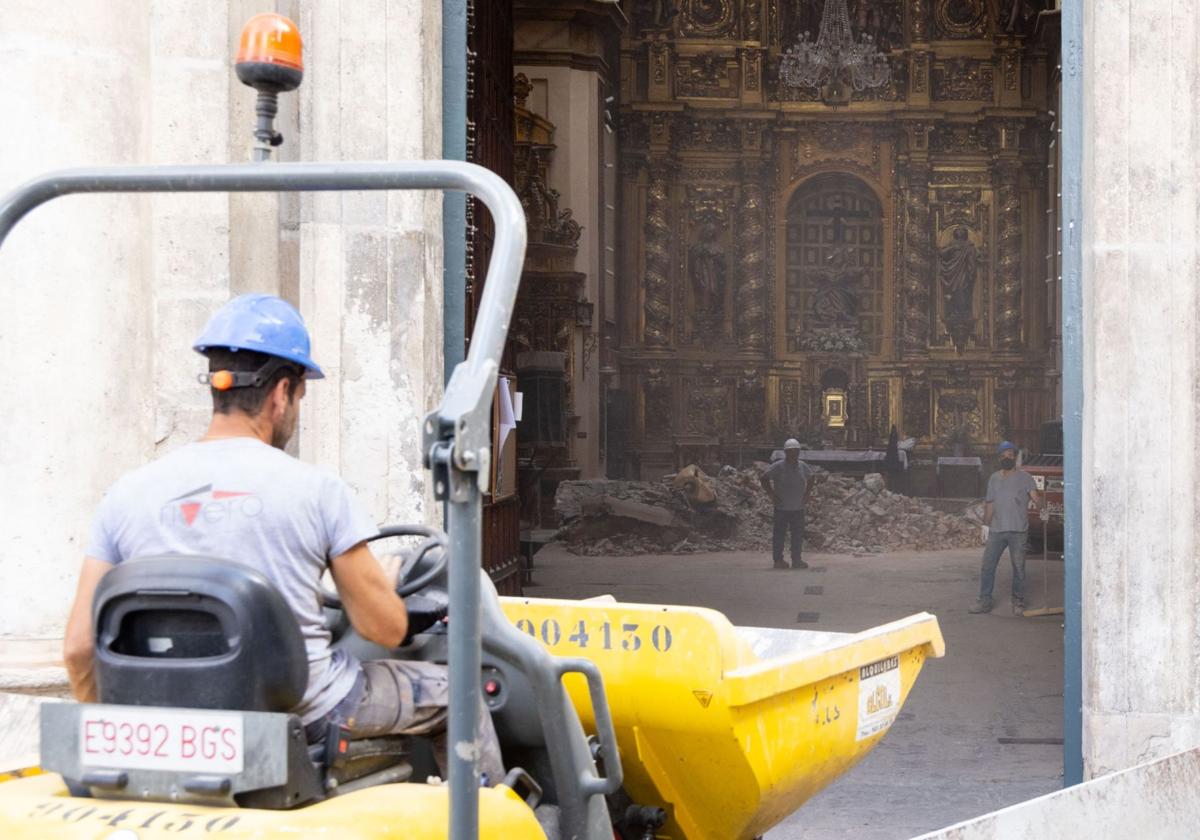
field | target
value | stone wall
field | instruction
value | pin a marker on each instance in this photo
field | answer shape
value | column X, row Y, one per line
column 100, row 298
column 1141, row 664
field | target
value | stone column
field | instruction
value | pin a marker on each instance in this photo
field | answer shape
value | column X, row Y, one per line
column 1008, row 256
column 370, row 263
column 918, row 264
column 749, row 312
column 76, row 292
column 656, row 284
column 1141, row 373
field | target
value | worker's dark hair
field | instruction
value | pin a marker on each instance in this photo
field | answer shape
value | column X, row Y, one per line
column 248, row 399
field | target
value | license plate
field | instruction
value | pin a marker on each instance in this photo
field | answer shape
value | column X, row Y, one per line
column 162, row 739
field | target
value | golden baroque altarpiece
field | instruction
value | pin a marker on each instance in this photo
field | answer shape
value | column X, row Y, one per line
column 885, row 256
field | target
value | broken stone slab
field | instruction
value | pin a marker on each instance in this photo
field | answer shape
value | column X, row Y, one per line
column 874, row 482
column 695, row 484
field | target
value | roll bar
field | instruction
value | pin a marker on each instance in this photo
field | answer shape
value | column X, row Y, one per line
column 455, row 436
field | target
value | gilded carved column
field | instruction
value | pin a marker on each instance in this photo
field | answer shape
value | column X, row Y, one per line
column 920, row 25
column 749, row 308
column 656, row 283
column 1008, row 256
column 918, row 265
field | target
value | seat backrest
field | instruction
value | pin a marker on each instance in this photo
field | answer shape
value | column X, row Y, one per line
column 196, row 632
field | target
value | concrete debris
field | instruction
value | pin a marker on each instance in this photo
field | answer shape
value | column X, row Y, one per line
column 874, row 482
column 847, row 515
column 692, row 480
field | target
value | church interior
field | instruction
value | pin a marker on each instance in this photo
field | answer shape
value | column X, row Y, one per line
column 727, row 249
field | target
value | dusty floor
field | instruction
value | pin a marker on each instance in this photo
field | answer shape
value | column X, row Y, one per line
column 941, row 762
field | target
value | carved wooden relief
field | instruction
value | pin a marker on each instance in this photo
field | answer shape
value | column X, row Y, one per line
column 656, row 281
column 656, row 403
column 752, row 409
column 960, row 19
column 708, row 18
column 791, row 416
column 963, row 79
column 708, row 75
column 959, row 417
column 916, row 395
column 881, row 409
column 707, row 404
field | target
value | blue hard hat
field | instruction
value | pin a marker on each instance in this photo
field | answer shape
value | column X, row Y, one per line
column 263, row 323
column 1006, row 445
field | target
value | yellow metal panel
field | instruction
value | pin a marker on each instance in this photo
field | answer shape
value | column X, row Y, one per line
column 730, row 744
column 38, row 809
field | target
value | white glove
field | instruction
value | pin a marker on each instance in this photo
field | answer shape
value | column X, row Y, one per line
column 1045, row 514
column 983, row 533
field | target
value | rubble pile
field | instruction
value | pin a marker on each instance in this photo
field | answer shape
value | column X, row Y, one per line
column 694, row 512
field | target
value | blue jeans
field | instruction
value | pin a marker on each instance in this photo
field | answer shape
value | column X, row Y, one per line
column 785, row 521
column 997, row 541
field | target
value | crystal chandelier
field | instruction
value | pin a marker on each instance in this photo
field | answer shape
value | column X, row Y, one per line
column 835, row 56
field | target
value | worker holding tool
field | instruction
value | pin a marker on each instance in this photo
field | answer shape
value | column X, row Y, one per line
column 235, row 494
column 1006, row 525
column 789, row 483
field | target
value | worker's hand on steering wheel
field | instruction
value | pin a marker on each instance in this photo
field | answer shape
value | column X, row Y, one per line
column 393, row 566
column 425, row 609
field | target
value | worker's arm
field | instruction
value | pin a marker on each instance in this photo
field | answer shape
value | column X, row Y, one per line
column 987, row 513
column 808, row 488
column 1039, row 502
column 767, row 486
column 79, row 646
column 372, row 605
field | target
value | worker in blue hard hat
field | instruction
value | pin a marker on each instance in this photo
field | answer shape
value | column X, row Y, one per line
column 235, row 494
column 1006, row 525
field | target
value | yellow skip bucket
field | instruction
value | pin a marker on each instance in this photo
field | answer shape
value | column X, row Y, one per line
column 731, row 729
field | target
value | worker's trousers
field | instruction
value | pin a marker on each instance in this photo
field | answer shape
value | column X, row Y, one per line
column 996, row 543
column 785, row 521
column 409, row 697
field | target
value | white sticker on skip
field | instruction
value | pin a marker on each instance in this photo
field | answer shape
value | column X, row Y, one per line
column 878, row 696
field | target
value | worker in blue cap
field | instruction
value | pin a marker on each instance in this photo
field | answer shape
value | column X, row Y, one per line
column 1006, row 525
column 236, row 494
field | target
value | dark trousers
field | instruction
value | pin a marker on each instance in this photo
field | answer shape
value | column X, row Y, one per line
column 787, row 520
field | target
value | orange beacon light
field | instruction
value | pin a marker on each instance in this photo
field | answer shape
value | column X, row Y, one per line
column 270, row 60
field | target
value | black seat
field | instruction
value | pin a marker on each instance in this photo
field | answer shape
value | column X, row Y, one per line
column 196, row 632
column 205, row 633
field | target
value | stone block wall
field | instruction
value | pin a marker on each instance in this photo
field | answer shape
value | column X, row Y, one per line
column 100, row 297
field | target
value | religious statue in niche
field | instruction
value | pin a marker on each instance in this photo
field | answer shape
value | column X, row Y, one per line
column 958, row 263
column 706, row 260
column 834, row 305
column 657, row 14
column 835, row 295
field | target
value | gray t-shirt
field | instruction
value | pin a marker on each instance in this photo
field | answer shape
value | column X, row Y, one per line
column 242, row 500
column 1009, row 496
column 790, row 482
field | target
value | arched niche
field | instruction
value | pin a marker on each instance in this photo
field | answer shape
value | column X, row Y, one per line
column 833, row 267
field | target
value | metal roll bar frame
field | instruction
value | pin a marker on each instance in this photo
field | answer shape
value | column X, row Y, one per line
column 455, row 436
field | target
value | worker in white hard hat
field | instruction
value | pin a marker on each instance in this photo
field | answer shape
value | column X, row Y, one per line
column 789, row 483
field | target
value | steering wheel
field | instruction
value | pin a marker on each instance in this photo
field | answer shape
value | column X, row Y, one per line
column 425, row 565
